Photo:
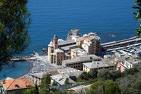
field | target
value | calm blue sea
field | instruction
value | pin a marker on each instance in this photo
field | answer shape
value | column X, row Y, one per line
column 111, row 19
column 14, row 70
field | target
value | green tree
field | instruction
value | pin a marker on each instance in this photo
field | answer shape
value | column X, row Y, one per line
column 137, row 13
column 67, row 81
column 97, row 87
column 85, row 76
column 104, row 74
column 111, row 87
column 107, row 74
column 104, row 87
column 131, row 82
column 29, row 91
column 45, row 85
column 14, row 22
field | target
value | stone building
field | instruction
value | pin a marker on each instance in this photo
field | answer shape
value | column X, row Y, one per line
column 74, row 46
column 77, row 52
column 97, row 65
column 73, row 34
column 77, row 62
column 55, row 55
column 16, row 86
column 90, row 43
column 123, row 64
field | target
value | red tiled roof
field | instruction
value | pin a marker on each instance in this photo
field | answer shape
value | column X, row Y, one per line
column 20, row 83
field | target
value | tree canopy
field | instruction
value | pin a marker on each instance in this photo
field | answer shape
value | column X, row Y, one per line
column 137, row 13
column 104, row 87
column 44, row 87
column 14, row 22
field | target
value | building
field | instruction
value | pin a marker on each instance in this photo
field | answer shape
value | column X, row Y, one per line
column 74, row 46
column 123, row 64
column 61, row 80
column 97, row 65
column 90, row 43
column 65, row 78
column 55, row 55
column 59, row 49
column 16, row 86
column 77, row 52
column 37, row 77
column 81, row 89
column 77, row 62
column 60, row 70
column 73, row 34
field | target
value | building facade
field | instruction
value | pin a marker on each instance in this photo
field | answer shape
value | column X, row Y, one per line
column 16, row 86
column 97, row 65
column 77, row 62
column 74, row 46
column 90, row 43
column 55, row 55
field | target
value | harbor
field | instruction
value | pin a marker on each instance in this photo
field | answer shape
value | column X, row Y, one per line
column 78, row 54
column 35, row 63
column 108, row 46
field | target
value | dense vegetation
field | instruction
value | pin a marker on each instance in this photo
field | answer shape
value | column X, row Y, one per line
column 137, row 13
column 14, row 21
column 104, row 87
column 112, row 82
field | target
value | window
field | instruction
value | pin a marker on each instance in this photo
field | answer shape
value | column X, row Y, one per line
column 51, row 50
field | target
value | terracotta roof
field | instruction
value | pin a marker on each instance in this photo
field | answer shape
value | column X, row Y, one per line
column 20, row 83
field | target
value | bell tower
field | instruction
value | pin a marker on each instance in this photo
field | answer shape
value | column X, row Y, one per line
column 55, row 42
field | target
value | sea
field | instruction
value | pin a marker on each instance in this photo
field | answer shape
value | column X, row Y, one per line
column 110, row 19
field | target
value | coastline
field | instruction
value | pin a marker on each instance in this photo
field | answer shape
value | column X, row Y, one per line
column 34, row 67
column 28, row 70
column 15, row 72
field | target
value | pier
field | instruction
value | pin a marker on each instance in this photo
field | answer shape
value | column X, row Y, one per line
column 121, row 43
column 34, row 56
column 23, row 58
